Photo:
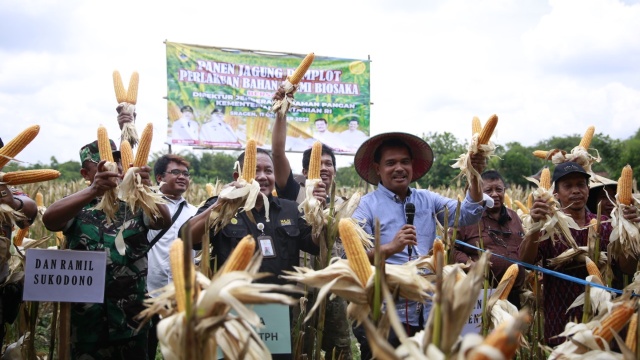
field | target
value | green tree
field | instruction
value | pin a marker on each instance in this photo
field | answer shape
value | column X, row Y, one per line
column 348, row 177
column 446, row 150
column 216, row 166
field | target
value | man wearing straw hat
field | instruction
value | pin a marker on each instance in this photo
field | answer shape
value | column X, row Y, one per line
column 392, row 161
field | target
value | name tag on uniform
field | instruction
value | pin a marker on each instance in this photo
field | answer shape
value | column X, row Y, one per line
column 267, row 247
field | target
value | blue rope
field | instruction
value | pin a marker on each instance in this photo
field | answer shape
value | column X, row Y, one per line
column 543, row 270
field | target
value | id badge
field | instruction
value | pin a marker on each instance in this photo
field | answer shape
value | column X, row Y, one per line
column 267, row 246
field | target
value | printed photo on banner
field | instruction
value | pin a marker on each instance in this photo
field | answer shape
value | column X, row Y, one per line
column 219, row 98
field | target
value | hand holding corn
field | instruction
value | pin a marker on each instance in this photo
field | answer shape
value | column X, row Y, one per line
column 283, row 99
column 126, row 106
column 104, row 180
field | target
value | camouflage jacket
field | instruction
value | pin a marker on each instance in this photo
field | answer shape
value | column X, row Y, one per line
column 126, row 276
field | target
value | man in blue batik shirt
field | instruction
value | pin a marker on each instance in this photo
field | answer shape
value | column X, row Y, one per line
column 392, row 161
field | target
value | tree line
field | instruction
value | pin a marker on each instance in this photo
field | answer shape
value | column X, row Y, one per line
column 513, row 160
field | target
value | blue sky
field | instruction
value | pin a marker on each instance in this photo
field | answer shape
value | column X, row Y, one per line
column 546, row 68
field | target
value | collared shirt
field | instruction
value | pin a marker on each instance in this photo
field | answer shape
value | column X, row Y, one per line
column 286, row 227
column 159, row 266
column 389, row 209
column 502, row 239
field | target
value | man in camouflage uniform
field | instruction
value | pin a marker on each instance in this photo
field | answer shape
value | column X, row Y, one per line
column 107, row 330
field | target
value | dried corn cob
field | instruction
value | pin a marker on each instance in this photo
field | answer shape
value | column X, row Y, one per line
column 20, row 235
column 613, row 321
column 29, row 176
column 587, row 137
column 132, row 91
column 176, row 259
column 356, row 255
column 39, row 199
column 142, row 154
column 487, row 130
column 298, row 74
column 438, row 248
column 542, row 154
column 126, row 154
column 509, row 277
column 625, row 184
column 104, row 146
column 507, row 201
column 476, row 126
column 249, row 165
column 13, row 147
column 520, row 205
column 505, row 339
column 632, row 341
column 592, row 269
column 121, row 95
column 240, row 256
column 545, row 179
column 530, row 200
column 314, row 161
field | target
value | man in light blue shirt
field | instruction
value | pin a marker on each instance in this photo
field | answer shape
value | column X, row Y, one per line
column 392, row 161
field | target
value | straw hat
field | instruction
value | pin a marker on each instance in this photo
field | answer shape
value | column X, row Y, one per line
column 421, row 151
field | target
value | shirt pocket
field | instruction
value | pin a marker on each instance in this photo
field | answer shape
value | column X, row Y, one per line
column 287, row 238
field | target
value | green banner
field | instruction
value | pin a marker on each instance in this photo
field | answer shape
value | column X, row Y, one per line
column 219, row 98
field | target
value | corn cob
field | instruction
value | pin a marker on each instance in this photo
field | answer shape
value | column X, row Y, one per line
column 632, row 341
column 613, row 321
column 13, row 147
column 500, row 338
column 176, row 259
column 509, row 277
column 142, row 154
column 588, row 136
column 522, row 207
column 530, row 201
column 39, row 199
column 487, row 130
column 121, row 95
column 298, row 74
column 132, row 91
column 173, row 111
column 438, row 248
column 20, row 235
column 542, row 154
column 126, row 154
column 476, row 126
column 209, row 188
column 507, row 201
column 249, row 165
column 240, row 256
column 314, row 161
column 593, row 224
column 356, row 255
column 104, row 146
column 592, row 269
column 545, row 179
column 29, row 176
column 625, row 183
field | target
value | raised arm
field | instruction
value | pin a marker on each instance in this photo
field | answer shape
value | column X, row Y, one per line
column 281, row 164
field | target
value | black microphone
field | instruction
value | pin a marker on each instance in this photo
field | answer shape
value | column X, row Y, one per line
column 410, row 213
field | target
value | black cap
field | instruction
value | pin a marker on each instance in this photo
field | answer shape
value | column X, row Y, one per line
column 567, row 168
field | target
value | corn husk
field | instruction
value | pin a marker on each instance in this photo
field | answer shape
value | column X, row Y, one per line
column 625, row 236
column 578, row 154
column 139, row 196
column 600, row 299
column 558, row 223
column 129, row 131
column 464, row 161
column 578, row 254
column 312, row 208
column 109, row 204
column 282, row 106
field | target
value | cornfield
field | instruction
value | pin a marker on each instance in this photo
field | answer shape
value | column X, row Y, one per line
column 41, row 318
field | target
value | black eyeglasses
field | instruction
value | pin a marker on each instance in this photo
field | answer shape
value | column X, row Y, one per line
column 497, row 236
column 177, row 172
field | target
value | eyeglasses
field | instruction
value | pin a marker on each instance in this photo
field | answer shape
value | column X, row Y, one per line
column 498, row 236
column 177, row 172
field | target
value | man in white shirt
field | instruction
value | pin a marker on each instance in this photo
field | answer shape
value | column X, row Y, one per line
column 172, row 172
column 217, row 132
column 185, row 130
column 353, row 136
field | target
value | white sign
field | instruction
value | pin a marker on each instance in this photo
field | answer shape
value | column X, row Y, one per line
column 276, row 328
column 474, row 323
column 65, row 275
